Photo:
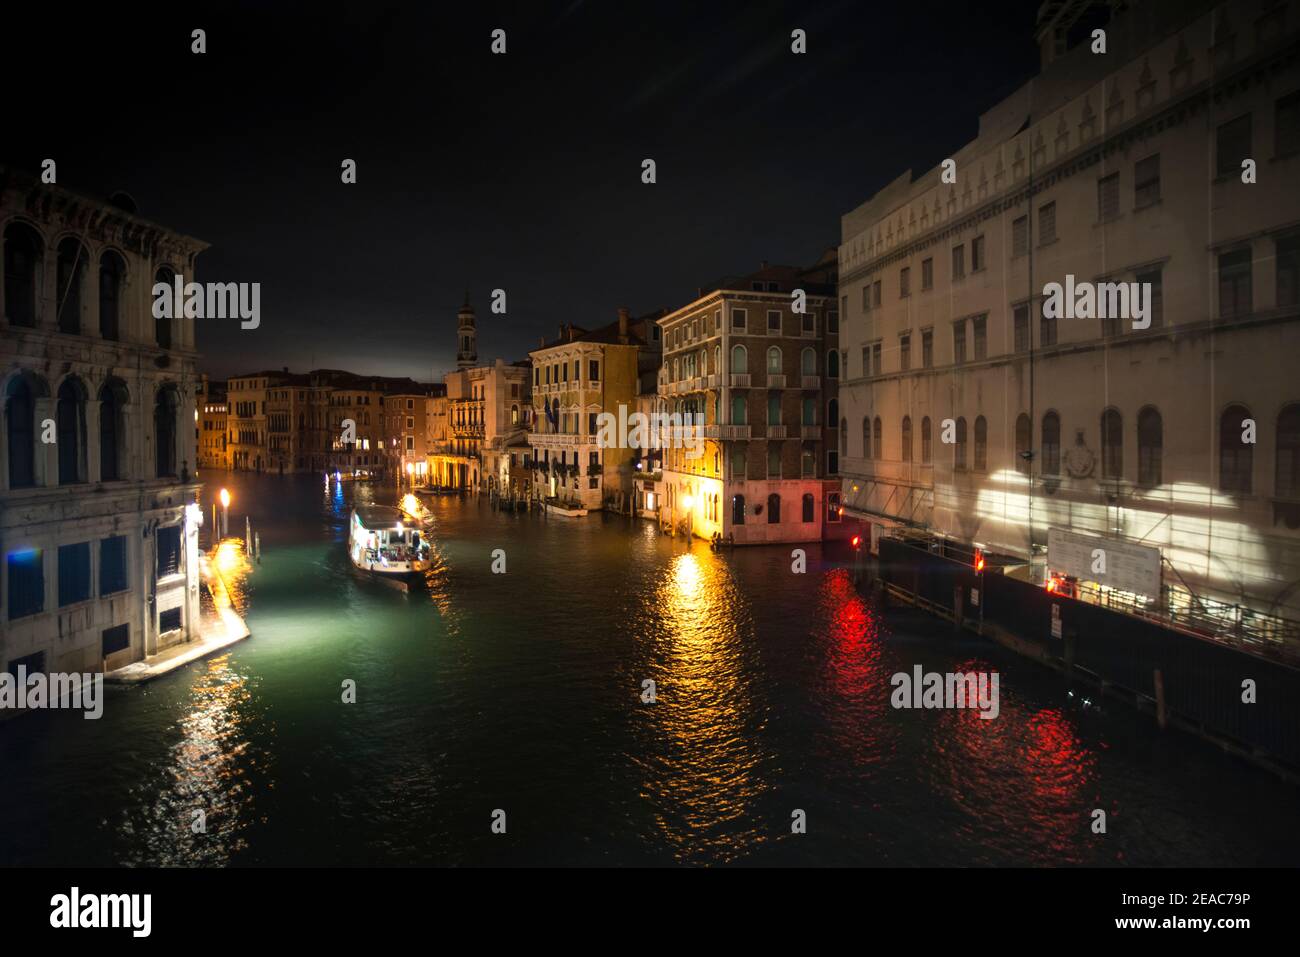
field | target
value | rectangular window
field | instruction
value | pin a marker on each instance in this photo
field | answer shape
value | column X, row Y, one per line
column 809, row 324
column 1286, row 125
column 877, row 362
column 866, row 297
column 1234, row 283
column 1020, row 319
column 981, row 337
column 739, row 319
column 876, row 292
column 927, row 274
column 959, row 342
column 1047, row 224
column 905, row 352
column 977, row 254
column 774, row 321
column 1146, row 182
column 1108, row 197
column 169, row 550
column 112, row 565
column 927, row 349
column 904, row 282
column 1046, row 329
column 866, row 360
column 1019, row 236
column 958, row 262
column 1232, row 145
column 1288, row 271
column 26, row 583
column 74, row 573
column 591, row 422
column 113, row 640
column 1157, row 295
column 169, row 620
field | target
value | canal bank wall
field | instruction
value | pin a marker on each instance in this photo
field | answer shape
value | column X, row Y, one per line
column 1242, row 700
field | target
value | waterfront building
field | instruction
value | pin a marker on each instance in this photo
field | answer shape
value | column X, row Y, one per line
column 98, row 524
column 976, row 412
column 577, row 378
column 246, row 401
column 286, row 423
column 765, row 378
column 211, row 428
column 407, row 417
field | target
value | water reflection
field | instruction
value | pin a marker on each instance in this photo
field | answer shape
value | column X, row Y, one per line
column 701, row 756
column 210, row 769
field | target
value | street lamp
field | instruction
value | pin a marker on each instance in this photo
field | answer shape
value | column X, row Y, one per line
column 225, row 512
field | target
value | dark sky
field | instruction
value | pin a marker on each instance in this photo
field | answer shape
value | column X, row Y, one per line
column 478, row 171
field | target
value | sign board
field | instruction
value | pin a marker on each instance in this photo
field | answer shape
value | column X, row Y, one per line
column 975, row 597
column 1128, row 567
column 1056, row 621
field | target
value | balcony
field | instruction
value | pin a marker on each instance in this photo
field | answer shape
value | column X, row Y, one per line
column 776, row 432
column 731, row 432
column 713, row 381
column 775, row 381
column 810, row 431
column 740, row 380
column 811, row 382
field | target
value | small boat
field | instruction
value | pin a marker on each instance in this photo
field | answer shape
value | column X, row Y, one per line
column 383, row 544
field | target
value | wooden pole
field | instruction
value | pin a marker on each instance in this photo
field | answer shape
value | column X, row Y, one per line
column 1161, row 717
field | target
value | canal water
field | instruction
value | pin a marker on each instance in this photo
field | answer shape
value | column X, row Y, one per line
column 521, row 692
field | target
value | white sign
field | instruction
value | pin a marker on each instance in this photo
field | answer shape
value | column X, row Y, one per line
column 1106, row 561
column 975, row 597
column 1056, row 621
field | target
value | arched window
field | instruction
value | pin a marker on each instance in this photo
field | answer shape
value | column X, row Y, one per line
column 832, row 364
column 981, row 444
column 844, row 435
column 773, row 509
column 906, row 449
column 774, row 361
column 1150, row 447
column 737, row 510
column 70, row 421
column 162, row 325
column 112, row 275
column 773, row 459
column 959, row 450
column 1112, row 445
column 20, row 427
column 878, row 444
column 1024, row 439
column 808, row 362
column 71, row 278
column 739, row 360
column 866, row 437
column 23, row 252
column 164, row 425
column 833, row 411
column 809, row 507
column 514, row 415
column 738, row 407
column 717, row 360
column 1236, row 457
column 809, row 411
column 926, row 448
column 112, row 401
column 1287, row 470
column 1051, row 444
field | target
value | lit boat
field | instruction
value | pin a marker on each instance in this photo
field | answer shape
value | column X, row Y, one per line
column 382, row 543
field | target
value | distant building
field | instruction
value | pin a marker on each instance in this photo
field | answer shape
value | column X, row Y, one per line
column 765, row 380
column 97, row 521
column 213, row 441
column 246, row 400
column 975, row 411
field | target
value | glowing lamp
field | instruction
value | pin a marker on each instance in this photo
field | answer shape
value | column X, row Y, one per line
column 687, row 502
column 225, row 498
column 857, row 540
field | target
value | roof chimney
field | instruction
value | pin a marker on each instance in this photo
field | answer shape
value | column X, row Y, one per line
column 623, row 317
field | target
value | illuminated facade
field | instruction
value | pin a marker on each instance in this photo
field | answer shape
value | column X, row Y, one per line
column 765, row 379
column 576, row 379
column 97, row 523
column 970, row 411
column 212, row 426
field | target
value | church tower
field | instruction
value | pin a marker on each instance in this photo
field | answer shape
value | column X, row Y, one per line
column 467, row 355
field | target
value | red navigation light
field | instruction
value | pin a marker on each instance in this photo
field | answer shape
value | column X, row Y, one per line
column 857, row 540
column 979, row 560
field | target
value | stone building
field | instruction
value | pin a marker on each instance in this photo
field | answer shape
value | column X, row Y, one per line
column 246, row 400
column 765, row 378
column 98, row 525
column 212, row 428
column 977, row 411
column 576, row 378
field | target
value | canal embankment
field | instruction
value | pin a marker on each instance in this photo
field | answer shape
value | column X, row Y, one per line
column 1243, row 700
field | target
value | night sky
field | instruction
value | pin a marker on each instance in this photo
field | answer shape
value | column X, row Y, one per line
column 477, row 171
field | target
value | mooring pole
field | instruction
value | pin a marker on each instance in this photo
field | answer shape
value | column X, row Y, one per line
column 1161, row 718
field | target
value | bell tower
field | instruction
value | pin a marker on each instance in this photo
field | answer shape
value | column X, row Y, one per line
column 467, row 353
